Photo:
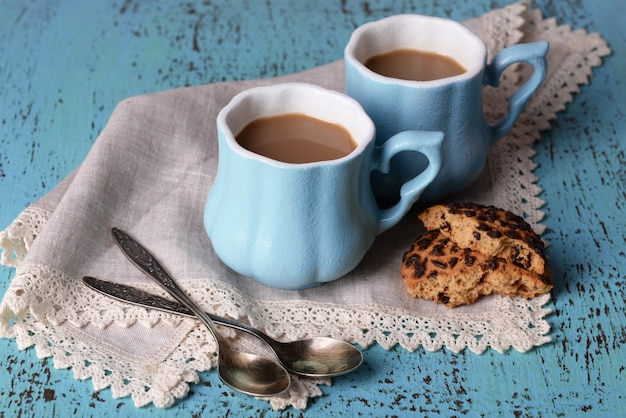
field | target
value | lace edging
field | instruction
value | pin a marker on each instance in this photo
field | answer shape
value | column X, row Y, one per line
column 17, row 238
column 362, row 324
column 55, row 329
column 368, row 324
column 166, row 383
column 32, row 315
column 510, row 159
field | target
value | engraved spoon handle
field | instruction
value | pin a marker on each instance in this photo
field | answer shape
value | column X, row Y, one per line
column 130, row 294
column 143, row 259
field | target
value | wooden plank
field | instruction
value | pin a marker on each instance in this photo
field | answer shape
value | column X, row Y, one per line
column 64, row 65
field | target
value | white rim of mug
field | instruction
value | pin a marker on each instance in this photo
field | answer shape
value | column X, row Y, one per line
column 366, row 125
column 391, row 22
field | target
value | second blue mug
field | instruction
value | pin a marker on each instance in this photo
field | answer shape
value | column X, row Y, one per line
column 452, row 105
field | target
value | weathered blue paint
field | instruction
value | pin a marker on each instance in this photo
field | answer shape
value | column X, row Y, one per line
column 64, row 64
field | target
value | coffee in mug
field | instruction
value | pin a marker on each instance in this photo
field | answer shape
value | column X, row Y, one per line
column 414, row 64
column 449, row 104
column 297, row 225
column 296, row 138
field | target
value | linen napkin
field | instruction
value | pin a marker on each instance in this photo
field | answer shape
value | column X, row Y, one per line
column 149, row 173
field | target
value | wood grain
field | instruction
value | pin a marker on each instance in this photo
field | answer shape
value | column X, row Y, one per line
column 64, row 64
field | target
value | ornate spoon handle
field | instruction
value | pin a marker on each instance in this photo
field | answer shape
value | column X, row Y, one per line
column 143, row 259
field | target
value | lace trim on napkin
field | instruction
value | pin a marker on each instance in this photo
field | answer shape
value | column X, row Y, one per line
column 66, row 336
column 71, row 337
column 364, row 325
column 19, row 236
column 572, row 56
column 153, row 375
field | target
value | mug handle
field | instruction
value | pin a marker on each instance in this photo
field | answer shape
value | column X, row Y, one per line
column 426, row 142
column 533, row 53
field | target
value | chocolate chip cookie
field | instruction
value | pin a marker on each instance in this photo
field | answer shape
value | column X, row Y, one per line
column 472, row 250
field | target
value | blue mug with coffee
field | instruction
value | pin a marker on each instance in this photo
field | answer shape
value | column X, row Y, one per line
column 298, row 216
column 378, row 60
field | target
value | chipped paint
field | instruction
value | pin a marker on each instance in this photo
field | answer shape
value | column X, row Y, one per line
column 65, row 64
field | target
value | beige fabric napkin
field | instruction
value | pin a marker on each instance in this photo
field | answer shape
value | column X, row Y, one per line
column 149, row 173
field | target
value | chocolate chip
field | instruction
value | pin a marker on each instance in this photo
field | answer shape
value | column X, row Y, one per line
column 491, row 214
column 409, row 260
column 483, row 227
column 453, row 262
column 491, row 264
column 494, row 234
column 419, row 265
column 439, row 264
column 513, row 234
column 476, row 235
column 423, row 243
column 443, row 298
column 536, row 245
column 438, row 250
column 469, row 260
column 513, row 217
column 432, row 274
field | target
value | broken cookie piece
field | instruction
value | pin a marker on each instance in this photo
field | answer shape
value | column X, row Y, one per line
column 491, row 230
column 472, row 250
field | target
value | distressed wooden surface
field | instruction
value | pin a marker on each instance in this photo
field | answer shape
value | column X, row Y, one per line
column 64, row 64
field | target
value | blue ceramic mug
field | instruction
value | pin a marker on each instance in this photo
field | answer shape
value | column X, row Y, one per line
column 292, row 225
column 452, row 105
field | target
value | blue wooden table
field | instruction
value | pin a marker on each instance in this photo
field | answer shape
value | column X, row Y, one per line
column 64, row 64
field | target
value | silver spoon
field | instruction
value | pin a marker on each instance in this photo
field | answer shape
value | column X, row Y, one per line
column 247, row 373
column 315, row 357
